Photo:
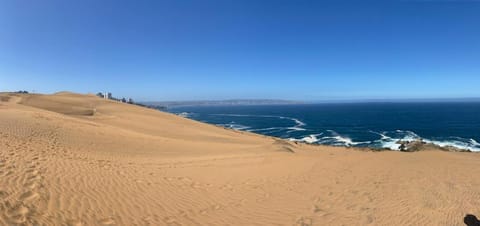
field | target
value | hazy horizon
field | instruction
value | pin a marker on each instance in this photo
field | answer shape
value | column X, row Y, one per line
column 377, row 100
column 300, row 101
column 217, row 50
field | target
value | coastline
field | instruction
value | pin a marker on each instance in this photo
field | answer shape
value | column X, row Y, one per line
column 408, row 144
column 127, row 165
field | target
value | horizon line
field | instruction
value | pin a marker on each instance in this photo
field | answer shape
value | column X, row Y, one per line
column 346, row 100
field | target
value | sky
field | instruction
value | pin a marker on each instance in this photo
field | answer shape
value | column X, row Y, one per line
column 273, row 49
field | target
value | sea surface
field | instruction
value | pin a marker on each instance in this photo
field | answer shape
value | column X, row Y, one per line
column 376, row 125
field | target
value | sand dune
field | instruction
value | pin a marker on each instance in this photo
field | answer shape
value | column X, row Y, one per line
column 70, row 159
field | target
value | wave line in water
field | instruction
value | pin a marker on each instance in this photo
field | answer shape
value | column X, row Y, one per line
column 312, row 138
column 297, row 127
column 393, row 143
column 235, row 126
column 266, row 129
column 387, row 139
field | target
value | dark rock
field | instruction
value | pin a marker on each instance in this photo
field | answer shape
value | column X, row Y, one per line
column 411, row 146
column 419, row 145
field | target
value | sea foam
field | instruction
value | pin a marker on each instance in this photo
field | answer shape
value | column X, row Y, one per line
column 387, row 139
column 297, row 127
column 409, row 136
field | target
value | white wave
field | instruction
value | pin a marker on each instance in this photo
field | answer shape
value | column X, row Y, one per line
column 388, row 139
column 239, row 127
column 338, row 139
column 382, row 135
column 474, row 142
column 234, row 115
column 455, row 144
column 409, row 136
column 184, row 114
column 299, row 123
column 294, row 128
column 257, row 116
column 347, row 141
column 391, row 144
column 267, row 129
column 385, row 137
column 312, row 138
column 234, row 126
column 297, row 127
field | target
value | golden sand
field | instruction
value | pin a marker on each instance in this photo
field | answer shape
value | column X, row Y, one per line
column 70, row 159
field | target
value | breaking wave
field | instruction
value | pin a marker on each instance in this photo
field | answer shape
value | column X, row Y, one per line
column 235, row 126
column 391, row 140
column 312, row 138
column 298, row 124
column 185, row 114
column 333, row 139
column 388, row 140
column 385, row 140
column 471, row 145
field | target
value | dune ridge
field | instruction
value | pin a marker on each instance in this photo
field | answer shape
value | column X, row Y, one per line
column 72, row 159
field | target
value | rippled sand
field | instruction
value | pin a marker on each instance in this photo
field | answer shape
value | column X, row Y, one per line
column 69, row 159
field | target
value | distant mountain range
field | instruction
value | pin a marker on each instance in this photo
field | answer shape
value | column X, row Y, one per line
column 244, row 102
column 405, row 100
column 170, row 104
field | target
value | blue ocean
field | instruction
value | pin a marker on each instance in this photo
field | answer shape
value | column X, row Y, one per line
column 375, row 125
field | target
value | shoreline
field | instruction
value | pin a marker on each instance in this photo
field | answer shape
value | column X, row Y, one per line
column 408, row 145
column 292, row 128
column 130, row 165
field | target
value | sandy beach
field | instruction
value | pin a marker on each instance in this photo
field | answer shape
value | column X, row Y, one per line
column 71, row 159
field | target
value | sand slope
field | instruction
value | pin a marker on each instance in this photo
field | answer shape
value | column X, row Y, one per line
column 70, row 159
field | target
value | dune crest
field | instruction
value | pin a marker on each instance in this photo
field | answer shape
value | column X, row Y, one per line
column 72, row 159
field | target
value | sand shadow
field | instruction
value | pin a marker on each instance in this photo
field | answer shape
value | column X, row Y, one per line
column 471, row 220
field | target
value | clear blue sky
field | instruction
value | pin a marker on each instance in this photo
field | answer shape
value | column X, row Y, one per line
column 189, row 50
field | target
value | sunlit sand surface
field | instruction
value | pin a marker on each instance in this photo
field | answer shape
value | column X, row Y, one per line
column 70, row 159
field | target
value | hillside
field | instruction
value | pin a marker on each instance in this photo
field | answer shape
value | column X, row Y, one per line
column 72, row 159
